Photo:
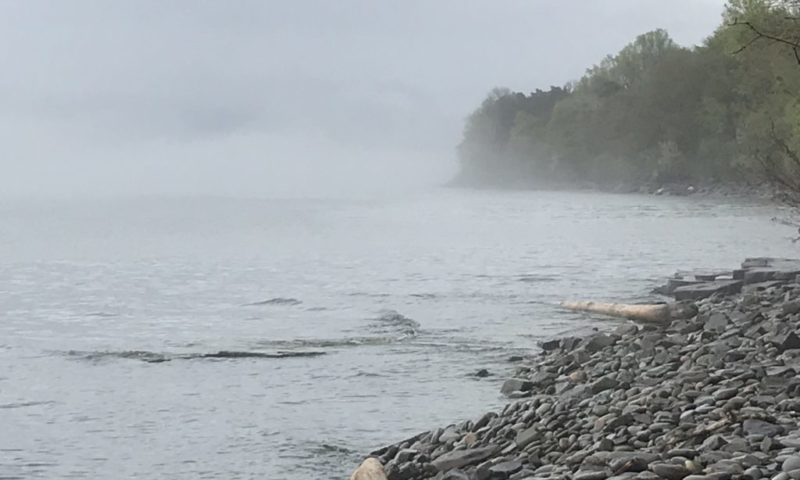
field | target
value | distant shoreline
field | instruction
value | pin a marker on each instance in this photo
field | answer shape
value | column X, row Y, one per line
column 760, row 192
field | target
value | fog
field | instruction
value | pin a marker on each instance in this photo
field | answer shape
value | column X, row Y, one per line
column 265, row 98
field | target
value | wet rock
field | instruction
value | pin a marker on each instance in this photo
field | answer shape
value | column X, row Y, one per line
column 516, row 385
column 482, row 373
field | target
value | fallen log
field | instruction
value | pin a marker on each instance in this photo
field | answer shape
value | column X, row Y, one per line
column 658, row 313
column 370, row 469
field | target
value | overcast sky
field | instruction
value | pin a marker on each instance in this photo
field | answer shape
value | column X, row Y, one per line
column 269, row 98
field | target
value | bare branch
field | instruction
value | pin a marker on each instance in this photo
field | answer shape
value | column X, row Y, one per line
column 794, row 44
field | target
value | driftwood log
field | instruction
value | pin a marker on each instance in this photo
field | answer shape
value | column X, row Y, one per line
column 658, row 313
column 370, row 469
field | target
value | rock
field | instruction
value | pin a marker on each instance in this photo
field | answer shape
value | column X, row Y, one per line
column 578, row 376
column 791, row 463
column 725, row 393
column 760, row 427
column 714, row 442
column 484, row 420
column 526, row 436
column 590, row 475
column 370, row 469
column 598, row 342
column 505, row 469
column 463, row 458
column 752, row 473
column 790, row 308
column 455, row 475
column 550, row 345
column 541, row 379
column 604, row 383
column 670, row 471
column 647, row 476
column 787, row 341
column 699, row 291
column 516, row 385
column 716, row 322
column 482, row 373
column 634, row 463
column 405, row 455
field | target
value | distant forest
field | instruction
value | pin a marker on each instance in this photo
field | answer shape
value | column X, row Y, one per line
column 655, row 113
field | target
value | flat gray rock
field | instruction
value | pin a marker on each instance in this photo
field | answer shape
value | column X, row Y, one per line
column 703, row 290
column 462, row 458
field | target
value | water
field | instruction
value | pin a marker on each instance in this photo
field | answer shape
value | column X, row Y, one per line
column 239, row 339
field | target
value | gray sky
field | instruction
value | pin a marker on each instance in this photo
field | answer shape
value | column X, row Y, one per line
column 268, row 98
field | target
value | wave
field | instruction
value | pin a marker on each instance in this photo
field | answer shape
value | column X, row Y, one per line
column 327, row 343
column 536, row 278
column 26, row 404
column 367, row 294
column 155, row 357
column 288, row 301
column 391, row 327
column 427, row 296
column 393, row 320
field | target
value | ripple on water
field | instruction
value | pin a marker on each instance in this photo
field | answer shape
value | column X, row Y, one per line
column 275, row 301
column 156, row 357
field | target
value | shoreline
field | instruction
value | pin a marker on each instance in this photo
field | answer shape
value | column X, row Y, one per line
column 763, row 192
column 714, row 396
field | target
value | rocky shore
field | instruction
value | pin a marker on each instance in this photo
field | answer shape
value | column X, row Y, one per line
column 751, row 191
column 714, row 396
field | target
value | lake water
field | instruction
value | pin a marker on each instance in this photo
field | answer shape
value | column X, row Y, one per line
column 351, row 323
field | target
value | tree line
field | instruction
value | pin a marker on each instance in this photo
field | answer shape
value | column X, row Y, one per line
column 656, row 113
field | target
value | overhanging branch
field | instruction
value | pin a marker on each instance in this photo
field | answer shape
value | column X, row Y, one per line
column 759, row 34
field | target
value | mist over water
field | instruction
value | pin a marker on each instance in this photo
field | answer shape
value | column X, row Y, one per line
column 280, row 99
column 225, row 251
column 235, row 338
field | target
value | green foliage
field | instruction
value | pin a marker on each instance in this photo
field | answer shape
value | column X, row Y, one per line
column 656, row 112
